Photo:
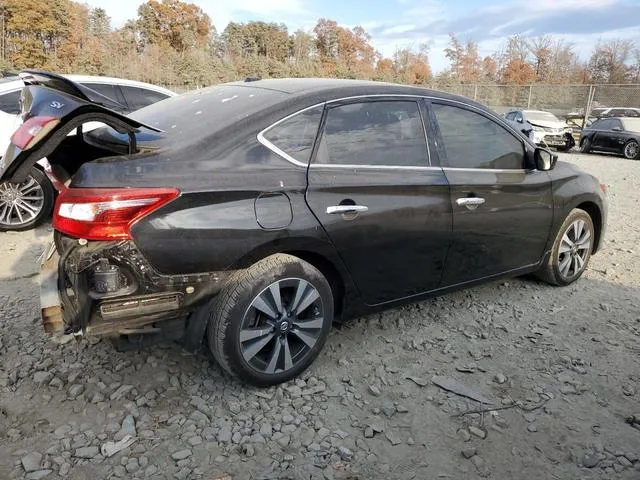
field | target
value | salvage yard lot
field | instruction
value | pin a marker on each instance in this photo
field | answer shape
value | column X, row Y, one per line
column 563, row 364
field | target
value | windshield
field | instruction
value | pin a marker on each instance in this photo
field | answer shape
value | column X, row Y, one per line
column 631, row 124
column 541, row 116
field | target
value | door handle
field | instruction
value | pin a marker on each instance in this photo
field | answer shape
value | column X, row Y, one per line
column 340, row 209
column 470, row 202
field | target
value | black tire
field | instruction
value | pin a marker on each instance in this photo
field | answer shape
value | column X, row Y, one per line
column 585, row 145
column 551, row 271
column 47, row 204
column 631, row 150
column 234, row 306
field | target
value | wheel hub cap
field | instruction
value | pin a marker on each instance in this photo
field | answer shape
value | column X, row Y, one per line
column 574, row 249
column 281, row 326
column 20, row 203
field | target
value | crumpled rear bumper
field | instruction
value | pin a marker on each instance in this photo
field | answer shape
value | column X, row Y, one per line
column 70, row 306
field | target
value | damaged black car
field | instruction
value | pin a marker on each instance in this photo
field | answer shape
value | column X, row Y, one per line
column 253, row 215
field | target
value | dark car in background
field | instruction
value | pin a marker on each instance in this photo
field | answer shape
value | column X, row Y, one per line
column 254, row 214
column 26, row 205
column 610, row 112
column 613, row 135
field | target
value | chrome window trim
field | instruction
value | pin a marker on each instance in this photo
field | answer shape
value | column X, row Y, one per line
column 292, row 160
column 277, row 150
column 374, row 167
column 490, row 170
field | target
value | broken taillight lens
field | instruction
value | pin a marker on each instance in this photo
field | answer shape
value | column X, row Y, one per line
column 32, row 130
column 106, row 213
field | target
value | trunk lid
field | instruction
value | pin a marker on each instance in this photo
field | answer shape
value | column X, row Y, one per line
column 52, row 107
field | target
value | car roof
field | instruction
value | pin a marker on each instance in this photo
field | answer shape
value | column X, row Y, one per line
column 342, row 88
column 8, row 84
column 536, row 111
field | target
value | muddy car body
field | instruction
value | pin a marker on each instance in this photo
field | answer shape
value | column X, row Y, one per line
column 254, row 214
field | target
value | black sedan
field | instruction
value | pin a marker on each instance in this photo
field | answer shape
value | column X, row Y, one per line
column 255, row 214
column 613, row 135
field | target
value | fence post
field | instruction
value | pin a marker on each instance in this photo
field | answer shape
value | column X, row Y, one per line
column 475, row 92
column 529, row 99
column 587, row 108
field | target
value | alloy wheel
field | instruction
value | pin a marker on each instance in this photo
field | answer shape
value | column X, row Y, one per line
column 574, row 249
column 631, row 150
column 20, row 203
column 281, row 326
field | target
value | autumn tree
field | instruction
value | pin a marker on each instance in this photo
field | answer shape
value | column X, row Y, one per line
column 344, row 50
column 608, row 62
column 270, row 40
column 173, row 23
column 466, row 64
column 412, row 66
column 99, row 23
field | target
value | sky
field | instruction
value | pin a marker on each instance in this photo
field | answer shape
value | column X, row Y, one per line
column 404, row 23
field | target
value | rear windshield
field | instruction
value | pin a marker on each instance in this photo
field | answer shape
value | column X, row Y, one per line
column 193, row 116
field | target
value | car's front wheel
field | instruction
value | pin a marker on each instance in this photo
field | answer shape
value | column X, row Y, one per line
column 25, row 205
column 585, row 145
column 571, row 250
column 631, row 150
column 272, row 320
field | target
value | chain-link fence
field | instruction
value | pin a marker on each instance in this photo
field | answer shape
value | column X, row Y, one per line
column 558, row 99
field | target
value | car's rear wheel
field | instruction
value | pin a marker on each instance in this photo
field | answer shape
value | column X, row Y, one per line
column 585, row 145
column 25, row 205
column 571, row 250
column 631, row 150
column 272, row 320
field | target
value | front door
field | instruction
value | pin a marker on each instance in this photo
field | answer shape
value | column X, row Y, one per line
column 502, row 212
column 385, row 208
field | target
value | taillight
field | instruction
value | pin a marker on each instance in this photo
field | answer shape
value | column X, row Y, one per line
column 32, row 130
column 106, row 213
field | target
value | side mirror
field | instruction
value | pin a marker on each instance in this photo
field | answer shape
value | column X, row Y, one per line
column 519, row 120
column 545, row 160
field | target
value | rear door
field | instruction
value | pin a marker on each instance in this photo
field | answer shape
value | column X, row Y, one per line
column 601, row 139
column 502, row 211
column 373, row 189
column 617, row 137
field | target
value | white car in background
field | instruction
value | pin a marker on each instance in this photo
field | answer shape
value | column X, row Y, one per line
column 548, row 130
column 24, row 206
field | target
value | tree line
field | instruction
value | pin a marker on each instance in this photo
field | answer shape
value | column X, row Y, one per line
column 172, row 42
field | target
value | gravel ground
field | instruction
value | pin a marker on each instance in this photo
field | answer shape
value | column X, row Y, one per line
column 563, row 364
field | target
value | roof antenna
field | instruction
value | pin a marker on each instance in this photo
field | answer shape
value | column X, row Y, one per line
column 252, row 78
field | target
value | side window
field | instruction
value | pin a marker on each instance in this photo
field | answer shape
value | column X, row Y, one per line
column 109, row 91
column 10, row 102
column 616, row 123
column 140, row 97
column 471, row 140
column 105, row 89
column 376, row 133
column 511, row 116
column 604, row 125
column 295, row 135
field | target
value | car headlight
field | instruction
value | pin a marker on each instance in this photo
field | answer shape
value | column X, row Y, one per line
column 537, row 129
